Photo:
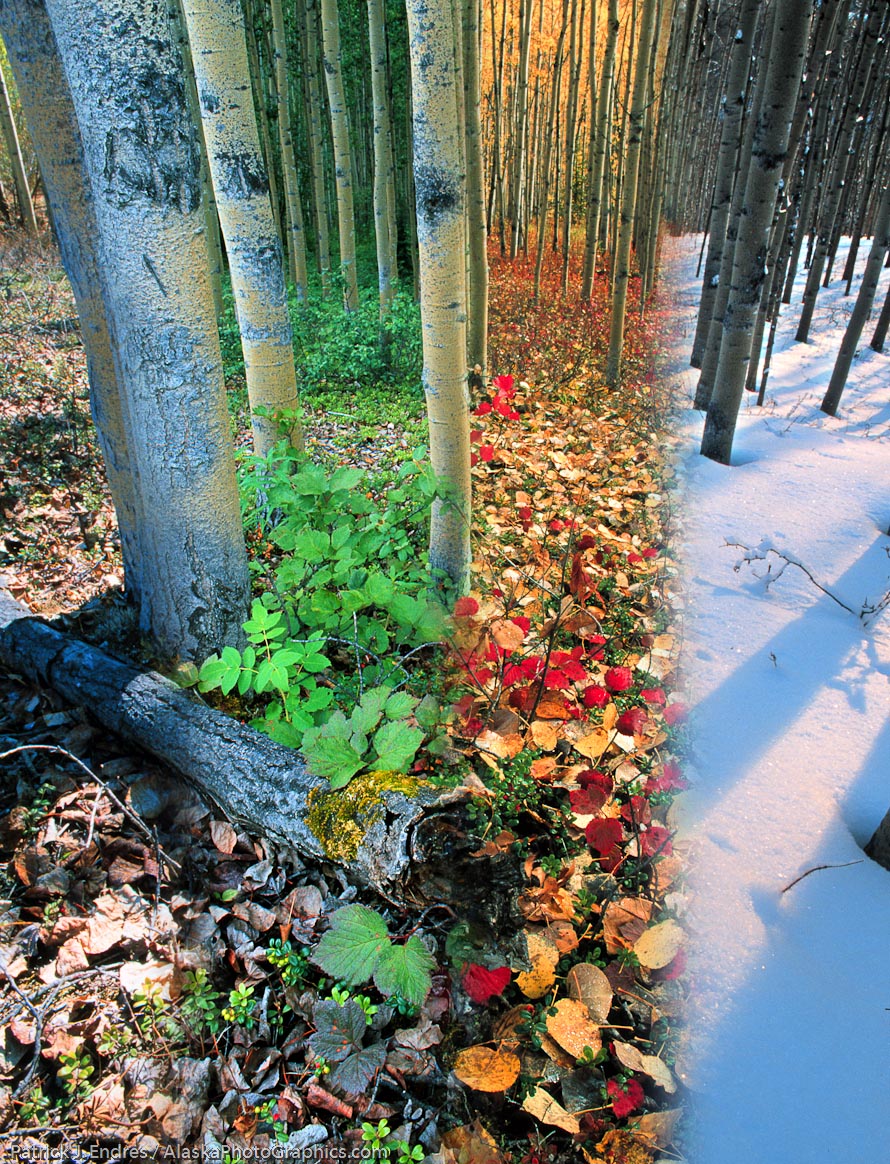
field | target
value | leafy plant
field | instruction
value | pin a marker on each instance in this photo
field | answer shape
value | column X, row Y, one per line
column 292, row 963
column 199, row 1006
column 339, row 1032
column 341, row 747
column 374, row 1134
column 358, row 948
column 241, row 1007
column 75, row 1072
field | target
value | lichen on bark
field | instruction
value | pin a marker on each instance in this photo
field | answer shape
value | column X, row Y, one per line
column 340, row 819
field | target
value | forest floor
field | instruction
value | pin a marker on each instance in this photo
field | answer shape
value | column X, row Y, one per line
column 790, row 683
column 159, row 987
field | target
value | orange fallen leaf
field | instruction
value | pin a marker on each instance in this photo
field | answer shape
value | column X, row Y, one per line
column 544, row 735
column 504, row 747
column 507, row 634
column 588, row 984
column 485, row 1069
column 472, row 1142
column 544, row 957
column 593, row 744
column 658, row 1126
column 572, row 1028
column 624, row 921
column 634, row 1060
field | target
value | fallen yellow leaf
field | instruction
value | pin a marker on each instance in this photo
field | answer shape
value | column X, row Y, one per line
column 544, row 1108
column 485, row 1069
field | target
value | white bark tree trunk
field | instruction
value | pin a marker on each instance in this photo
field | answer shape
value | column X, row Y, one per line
column 140, row 151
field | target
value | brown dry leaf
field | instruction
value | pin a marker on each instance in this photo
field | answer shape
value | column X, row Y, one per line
column 258, row 916
column 544, row 957
column 564, row 935
column 551, row 709
column 593, row 744
column 547, row 902
column 223, row 836
column 484, row 1069
column 588, row 984
column 559, row 1056
column 544, row 735
column 658, row 1126
column 507, row 634
column 572, row 1028
column 163, row 977
column 71, row 958
column 504, row 747
column 634, row 1060
column 624, row 921
column 544, row 1108
column 472, row 1144
column 505, row 1030
column 659, row 945
column 105, row 1105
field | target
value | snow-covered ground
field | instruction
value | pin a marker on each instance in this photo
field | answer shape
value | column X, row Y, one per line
column 788, row 1052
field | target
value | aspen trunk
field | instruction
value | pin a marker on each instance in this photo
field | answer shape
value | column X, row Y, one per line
column 315, row 120
column 330, row 21
column 219, row 52
column 780, row 85
column 477, row 235
column 142, row 157
column 16, row 163
column 864, row 300
column 519, row 127
column 629, row 193
column 46, row 101
column 384, row 212
column 440, row 198
column 296, row 235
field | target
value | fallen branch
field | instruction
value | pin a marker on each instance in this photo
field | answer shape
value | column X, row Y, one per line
column 815, row 869
column 407, row 846
column 760, row 554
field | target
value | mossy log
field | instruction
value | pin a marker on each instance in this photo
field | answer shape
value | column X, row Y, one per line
column 387, row 831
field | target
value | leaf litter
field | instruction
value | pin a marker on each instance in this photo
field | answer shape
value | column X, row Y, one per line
column 163, row 980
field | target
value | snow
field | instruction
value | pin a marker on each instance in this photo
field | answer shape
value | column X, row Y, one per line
column 788, row 1035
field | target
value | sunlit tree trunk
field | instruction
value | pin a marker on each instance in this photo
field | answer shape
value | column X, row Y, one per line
column 258, row 77
column 780, row 84
column 577, row 19
column 296, row 235
column 520, row 131
column 634, row 143
column 16, row 163
column 546, row 165
column 141, row 153
column 440, row 228
column 46, row 102
column 219, row 53
column 330, row 24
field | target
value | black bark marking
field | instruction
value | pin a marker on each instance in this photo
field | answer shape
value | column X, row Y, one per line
column 437, row 194
column 209, row 101
column 243, row 175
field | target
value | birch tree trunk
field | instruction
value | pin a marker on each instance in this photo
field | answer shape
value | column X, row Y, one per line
column 315, row 121
column 781, row 85
column 629, row 192
column 595, row 214
column 441, row 212
column 16, row 162
column 141, row 154
column 330, row 24
column 46, row 102
column 519, row 127
column 219, row 53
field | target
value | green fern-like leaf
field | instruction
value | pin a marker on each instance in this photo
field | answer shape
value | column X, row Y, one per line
column 405, row 970
column 352, row 948
column 396, row 745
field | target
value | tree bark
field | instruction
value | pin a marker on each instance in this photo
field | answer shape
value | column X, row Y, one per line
column 781, row 85
column 330, row 23
column 384, row 213
column 296, row 234
column 240, row 183
column 878, row 848
column 315, row 122
column 412, row 846
column 142, row 157
column 477, row 235
column 16, row 163
column 441, row 213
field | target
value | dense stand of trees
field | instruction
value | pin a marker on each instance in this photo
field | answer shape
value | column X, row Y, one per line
column 295, row 140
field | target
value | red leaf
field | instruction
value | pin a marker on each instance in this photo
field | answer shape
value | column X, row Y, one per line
column 466, row 607
column 556, row 525
column 524, row 624
column 604, row 835
column 486, row 452
column 673, row 969
column 595, row 696
column 504, row 385
column 476, row 436
column 675, row 713
column 481, row 984
column 670, row 779
column 482, row 409
column 525, row 513
column 632, row 721
column 556, row 680
column 474, row 459
column 654, row 695
column 588, row 801
column 637, row 812
column 650, row 553
column 656, row 840
column 625, row 1099
column 619, row 679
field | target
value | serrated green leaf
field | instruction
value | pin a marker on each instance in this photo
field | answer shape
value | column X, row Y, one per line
column 367, row 714
column 399, row 705
column 379, row 589
column 406, row 970
column 352, row 947
column 330, row 752
column 428, row 712
column 396, row 746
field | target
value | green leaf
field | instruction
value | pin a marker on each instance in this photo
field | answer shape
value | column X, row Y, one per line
column 399, row 705
column 331, row 756
column 396, row 746
column 379, row 589
column 366, row 716
column 406, row 970
column 351, row 949
column 428, row 712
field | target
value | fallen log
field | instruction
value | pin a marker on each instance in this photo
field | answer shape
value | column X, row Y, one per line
column 386, row 831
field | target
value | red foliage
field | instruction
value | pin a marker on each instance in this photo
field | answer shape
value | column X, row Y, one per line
column 625, row 1099
column 482, row 984
column 604, row 835
column 619, row 679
